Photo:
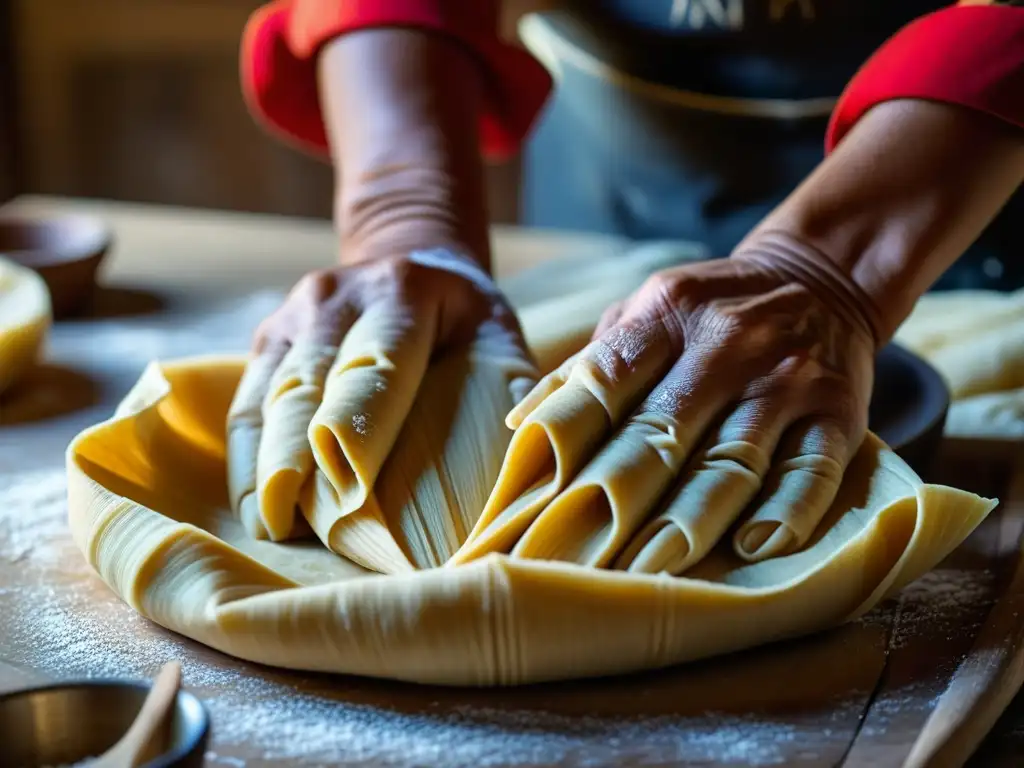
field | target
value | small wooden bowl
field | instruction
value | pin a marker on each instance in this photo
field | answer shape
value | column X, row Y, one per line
column 66, row 251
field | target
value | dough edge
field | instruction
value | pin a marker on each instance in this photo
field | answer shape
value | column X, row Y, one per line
column 23, row 337
column 496, row 621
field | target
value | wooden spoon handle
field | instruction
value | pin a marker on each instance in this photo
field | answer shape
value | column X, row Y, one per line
column 132, row 748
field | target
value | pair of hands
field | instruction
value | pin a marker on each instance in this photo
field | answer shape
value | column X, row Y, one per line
column 765, row 349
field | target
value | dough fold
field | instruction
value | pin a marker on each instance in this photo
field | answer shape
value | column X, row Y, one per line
column 975, row 339
column 149, row 509
column 433, row 482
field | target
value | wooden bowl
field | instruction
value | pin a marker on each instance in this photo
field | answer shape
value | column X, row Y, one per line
column 66, row 251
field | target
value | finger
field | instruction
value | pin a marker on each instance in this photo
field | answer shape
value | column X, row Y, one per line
column 244, row 430
column 713, row 490
column 367, row 395
column 592, row 520
column 540, row 392
column 284, row 460
column 499, row 344
column 615, row 370
column 565, row 419
column 611, row 317
column 798, row 491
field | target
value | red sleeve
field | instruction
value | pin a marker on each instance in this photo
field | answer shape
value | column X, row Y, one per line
column 970, row 55
column 282, row 39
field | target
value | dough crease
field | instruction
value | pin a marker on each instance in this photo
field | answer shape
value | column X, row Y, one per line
column 149, row 509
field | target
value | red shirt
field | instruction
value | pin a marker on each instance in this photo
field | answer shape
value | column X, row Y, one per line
column 971, row 55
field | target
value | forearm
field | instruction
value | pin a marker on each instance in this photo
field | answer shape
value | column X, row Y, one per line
column 401, row 110
column 902, row 197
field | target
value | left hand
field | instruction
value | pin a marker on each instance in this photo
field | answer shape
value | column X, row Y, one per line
column 348, row 344
column 760, row 364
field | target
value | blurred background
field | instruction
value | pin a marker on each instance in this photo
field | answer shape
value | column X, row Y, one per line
column 139, row 100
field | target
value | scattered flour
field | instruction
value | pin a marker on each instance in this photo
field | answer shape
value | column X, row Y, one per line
column 32, row 519
column 944, row 607
column 943, row 603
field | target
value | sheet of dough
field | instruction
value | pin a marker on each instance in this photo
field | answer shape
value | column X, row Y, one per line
column 148, row 508
column 24, row 321
column 975, row 339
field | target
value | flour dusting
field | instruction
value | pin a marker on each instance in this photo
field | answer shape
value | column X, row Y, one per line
column 945, row 602
column 33, row 517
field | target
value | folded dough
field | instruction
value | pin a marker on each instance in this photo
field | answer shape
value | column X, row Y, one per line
column 25, row 318
column 975, row 339
column 383, row 494
column 148, row 508
column 402, row 505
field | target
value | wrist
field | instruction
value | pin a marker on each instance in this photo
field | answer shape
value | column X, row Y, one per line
column 403, row 209
column 902, row 197
column 796, row 260
column 401, row 109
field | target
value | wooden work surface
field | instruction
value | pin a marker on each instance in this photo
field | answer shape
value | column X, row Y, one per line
column 182, row 282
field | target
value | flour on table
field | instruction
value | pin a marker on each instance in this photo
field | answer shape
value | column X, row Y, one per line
column 33, row 520
column 134, row 343
column 945, row 601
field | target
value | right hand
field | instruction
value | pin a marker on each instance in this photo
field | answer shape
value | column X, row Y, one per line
column 385, row 318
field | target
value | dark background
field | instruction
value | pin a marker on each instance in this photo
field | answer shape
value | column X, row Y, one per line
column 139, row 100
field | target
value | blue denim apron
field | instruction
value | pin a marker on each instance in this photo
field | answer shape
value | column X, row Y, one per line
column 692, row 119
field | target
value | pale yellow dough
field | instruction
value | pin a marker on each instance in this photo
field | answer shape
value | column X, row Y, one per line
column 24, row 321
column 975, row 339
column 149, row 509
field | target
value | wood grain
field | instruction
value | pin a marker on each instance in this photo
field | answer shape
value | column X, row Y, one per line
column 992, row 672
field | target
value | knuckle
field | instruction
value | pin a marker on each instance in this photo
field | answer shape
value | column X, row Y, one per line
column 605, row 362
column 797, row 370
column 674, row 290
column 319, row 285
column 611, row 315
column 739, row 459
column 841, row 419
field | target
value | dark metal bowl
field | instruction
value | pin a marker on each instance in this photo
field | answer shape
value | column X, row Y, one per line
column 66, row 251
column 909, row 406
column 69, row 722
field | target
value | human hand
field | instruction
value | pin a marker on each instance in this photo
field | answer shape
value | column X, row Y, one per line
column 350, row 341
column 728, row 382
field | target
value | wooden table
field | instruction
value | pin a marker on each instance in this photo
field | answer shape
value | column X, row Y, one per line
column 184, row 282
